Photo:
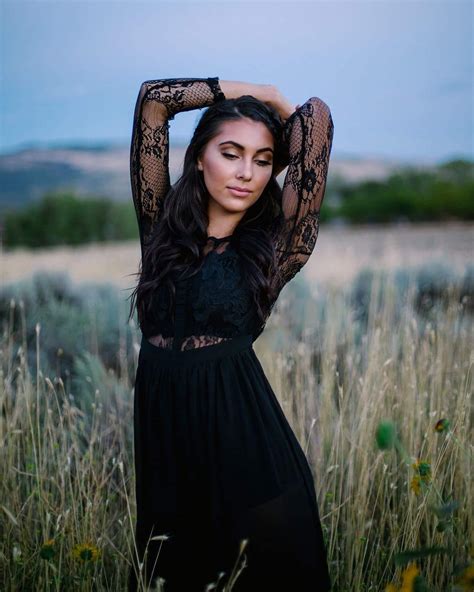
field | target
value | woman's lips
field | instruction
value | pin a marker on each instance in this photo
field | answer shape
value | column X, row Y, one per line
column 239, row 192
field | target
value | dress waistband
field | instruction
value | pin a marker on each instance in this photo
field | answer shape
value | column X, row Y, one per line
column 208, row 352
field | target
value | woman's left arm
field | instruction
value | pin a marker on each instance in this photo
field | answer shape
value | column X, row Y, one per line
column 309, row 134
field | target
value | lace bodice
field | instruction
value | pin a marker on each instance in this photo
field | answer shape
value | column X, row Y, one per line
column 214, row 304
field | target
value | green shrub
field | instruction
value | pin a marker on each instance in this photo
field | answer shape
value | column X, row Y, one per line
column 65, row 219
column 72, row 319
column 411, row 194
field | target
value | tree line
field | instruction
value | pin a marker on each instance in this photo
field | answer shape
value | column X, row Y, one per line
column 63, row 218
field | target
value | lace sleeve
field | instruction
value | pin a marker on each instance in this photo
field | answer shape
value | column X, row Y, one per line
column 308, row 133
column 157, row 103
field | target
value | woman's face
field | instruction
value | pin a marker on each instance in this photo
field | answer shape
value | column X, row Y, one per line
column 240, row 156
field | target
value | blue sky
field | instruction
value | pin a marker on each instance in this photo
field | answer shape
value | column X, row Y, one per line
column 397, row 75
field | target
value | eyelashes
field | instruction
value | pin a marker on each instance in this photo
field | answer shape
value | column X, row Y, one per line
column 259, row 162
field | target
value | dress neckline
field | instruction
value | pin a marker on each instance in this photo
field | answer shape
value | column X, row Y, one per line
column 221, row 238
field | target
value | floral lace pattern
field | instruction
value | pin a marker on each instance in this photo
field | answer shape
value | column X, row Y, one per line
column 156, row 105
column 191, row 342
column 309, row 133
column 217, row 305
column 220, row 304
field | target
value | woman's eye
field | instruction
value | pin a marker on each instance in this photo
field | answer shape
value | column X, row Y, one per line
column 260, row 162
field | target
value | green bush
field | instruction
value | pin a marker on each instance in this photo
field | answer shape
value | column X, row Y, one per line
column 72, row 318
column 416, row 195
column 65, row 219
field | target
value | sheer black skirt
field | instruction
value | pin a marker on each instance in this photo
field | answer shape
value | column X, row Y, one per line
column 218, row 463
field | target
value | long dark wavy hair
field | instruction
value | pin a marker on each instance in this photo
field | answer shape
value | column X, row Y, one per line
column 176, row 243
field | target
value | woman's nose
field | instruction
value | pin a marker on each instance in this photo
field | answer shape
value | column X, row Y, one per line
column 245, row 171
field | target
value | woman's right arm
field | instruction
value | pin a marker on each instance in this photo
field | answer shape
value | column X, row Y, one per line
column 157, row 103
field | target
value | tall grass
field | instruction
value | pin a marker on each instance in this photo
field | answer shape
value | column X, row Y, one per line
column 413, row 371
column 67, row 489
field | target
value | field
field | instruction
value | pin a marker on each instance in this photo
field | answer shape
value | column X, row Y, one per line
column 370, row 352
column 340, row 253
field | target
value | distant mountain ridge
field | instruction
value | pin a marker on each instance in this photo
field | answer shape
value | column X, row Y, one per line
column 103, row 170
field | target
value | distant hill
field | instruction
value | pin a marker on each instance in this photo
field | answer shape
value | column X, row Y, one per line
column 103, row 170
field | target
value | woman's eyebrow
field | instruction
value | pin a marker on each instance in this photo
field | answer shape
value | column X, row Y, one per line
column 268, row 149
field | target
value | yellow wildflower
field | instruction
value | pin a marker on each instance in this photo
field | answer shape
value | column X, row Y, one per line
column 442, row 425
column 423, row 469
column 466, row 579
column 415, row 484
column 86, row 552
column 47, row 550
column 408, row 578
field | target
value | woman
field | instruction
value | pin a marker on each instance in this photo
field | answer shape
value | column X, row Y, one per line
column 217, row 463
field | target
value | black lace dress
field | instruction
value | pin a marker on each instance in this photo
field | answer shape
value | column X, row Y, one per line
column 216, row 459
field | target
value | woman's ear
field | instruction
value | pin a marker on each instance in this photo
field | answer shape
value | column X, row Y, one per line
column 199, row 164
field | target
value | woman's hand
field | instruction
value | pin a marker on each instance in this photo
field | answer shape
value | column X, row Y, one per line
column 280, row 103
column 268, row 93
